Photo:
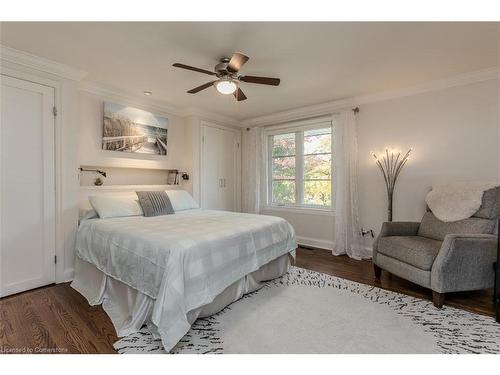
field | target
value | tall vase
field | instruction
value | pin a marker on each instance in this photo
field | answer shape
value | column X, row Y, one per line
column 390, row 164
column 389, row 205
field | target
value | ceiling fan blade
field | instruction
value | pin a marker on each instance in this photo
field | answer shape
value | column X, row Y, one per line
column 236, row 62
column 177, row 65
column 260, row 80
column 202, row 87
column 238, row 94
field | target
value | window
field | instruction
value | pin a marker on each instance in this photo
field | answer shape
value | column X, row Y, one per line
column 300, row 166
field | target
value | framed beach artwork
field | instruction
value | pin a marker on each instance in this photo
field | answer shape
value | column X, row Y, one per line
column 129, row 129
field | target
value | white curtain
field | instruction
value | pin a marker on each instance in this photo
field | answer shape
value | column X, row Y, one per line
column 251, row 159
column 347, row 231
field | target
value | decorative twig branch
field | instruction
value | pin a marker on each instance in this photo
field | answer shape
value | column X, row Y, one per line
column 391, row 165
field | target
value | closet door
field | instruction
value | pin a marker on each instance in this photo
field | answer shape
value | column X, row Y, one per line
column 228, row 170
column 220, row 158
column 27, row 187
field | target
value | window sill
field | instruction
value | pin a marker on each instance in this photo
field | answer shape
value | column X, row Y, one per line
column 300, row 210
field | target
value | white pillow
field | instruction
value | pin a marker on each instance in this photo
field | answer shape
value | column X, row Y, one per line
column 108, row 206
column 88, row 214
column 181, row 200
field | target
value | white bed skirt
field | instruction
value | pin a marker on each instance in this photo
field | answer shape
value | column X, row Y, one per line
column 130, row 309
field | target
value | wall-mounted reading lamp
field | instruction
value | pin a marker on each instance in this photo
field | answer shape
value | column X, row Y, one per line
column 173, row 176
column 102, row 173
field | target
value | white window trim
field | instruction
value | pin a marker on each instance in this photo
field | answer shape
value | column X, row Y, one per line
column 296, row 127
column 301, row 124
column 298, row 209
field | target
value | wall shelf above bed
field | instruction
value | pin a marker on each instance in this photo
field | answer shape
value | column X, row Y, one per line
column 123, row 176
column 116, row 188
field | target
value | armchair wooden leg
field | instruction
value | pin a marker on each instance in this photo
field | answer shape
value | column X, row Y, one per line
column 438, row 299
column 377, row 271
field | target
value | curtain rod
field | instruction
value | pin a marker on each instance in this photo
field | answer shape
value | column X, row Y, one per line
column 355, row 110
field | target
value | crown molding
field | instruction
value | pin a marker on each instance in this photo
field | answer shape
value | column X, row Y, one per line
column 116, row 95
column 315, row 110
column 211, row 116
column 333, row 106
column 14, row 56
column 155, row 105
column 435, row 85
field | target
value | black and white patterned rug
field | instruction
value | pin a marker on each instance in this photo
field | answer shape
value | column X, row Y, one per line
column 310, row 312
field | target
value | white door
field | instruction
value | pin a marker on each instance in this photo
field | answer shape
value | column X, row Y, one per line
column 27, row 186
column 220, row 160
column 228, row 170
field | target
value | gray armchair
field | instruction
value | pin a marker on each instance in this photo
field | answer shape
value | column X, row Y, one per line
column 443, row 256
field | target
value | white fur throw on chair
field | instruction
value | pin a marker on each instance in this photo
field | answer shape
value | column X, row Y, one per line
column 457, row 201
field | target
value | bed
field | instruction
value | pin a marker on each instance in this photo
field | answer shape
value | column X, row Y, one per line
column 167, row 271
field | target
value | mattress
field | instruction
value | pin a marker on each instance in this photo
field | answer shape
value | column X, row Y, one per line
column 182, row 261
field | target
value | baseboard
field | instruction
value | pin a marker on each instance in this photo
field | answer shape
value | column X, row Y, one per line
column 321, row 244
column 314, row 242
column 69, row 274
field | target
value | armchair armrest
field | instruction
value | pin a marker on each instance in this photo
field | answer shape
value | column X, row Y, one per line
column 464, row 262
column 399, row 228
column 395, row 228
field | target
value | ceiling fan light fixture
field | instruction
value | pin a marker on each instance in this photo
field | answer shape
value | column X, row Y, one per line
column 226, row 86
column 228, row 80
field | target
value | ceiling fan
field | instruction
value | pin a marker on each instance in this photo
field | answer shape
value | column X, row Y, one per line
column 228, row 80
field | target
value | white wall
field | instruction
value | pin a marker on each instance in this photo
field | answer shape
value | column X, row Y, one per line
column 455, row 132
column 69, row 178
column 192, row 155
column 314, row 230
column 66, row 159
column 456, row 136
column 124, row 176
column 90, row 137
column 127, row 168
column 79, row 132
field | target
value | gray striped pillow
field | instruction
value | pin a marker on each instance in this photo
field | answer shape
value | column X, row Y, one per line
column 155, row 203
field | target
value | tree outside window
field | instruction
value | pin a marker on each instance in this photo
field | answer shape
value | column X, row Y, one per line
column 301, row 167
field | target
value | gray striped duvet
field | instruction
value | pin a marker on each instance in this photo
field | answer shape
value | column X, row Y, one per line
column 184, row 260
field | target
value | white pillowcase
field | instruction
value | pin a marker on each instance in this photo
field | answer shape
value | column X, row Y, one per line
column 181, row 200
column 88, row 214
column 116, row 206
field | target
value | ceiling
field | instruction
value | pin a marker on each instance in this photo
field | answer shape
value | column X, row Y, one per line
column 317, row 62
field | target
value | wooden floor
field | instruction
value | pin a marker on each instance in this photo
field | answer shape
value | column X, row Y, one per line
column 480, row 302
column 57, row 319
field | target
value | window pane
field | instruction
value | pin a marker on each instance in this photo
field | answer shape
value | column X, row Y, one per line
column 284, row 144
column 317, row 166
column 318, row 141
column 283, row 191
column 284, row 167
column 318, row 193
column 321, row 131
